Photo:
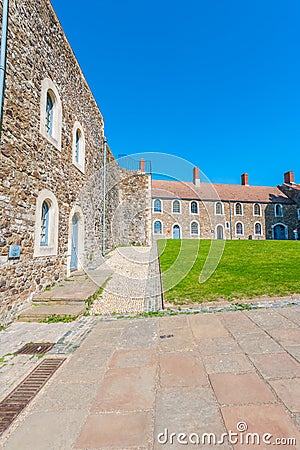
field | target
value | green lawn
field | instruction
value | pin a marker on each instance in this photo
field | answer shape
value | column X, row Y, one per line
column 247, row 269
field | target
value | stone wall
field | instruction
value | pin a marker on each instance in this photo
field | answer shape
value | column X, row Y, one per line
column 38, row 50
column 132, row 220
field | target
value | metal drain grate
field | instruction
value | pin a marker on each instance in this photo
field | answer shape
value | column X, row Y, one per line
column 34, row 348
column 19, row 398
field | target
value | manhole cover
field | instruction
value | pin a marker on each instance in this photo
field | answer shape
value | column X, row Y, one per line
column 33, row 348
column 166, row 336
column 19, row 398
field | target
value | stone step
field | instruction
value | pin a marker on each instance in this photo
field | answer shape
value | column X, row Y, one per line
column 43, row 310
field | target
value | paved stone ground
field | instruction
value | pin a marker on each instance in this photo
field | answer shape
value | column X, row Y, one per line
column 132, row 379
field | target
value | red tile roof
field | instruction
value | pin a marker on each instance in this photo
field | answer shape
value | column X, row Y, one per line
column 207, row 191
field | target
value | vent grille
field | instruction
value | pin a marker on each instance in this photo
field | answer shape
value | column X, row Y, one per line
column 20, row 397
column 33, row 348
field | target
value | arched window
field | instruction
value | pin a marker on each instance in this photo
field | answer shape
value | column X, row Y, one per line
column 256, row 209
column 239, row 229
column 157, row 227
column 78, row 146
column 49, row 113
column 46, row 225
column 194, row 228
column 194, row 207
column 219, row 208
column 176, row 206
column 44, row 235
column 278, row 210
column 238, row 209
column 157, row 205
column 257, row 229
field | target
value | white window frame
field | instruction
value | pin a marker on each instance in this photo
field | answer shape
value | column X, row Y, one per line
column 195, row 234
column 243, row 230
column 173, row 201
column 81, row 160
column 222, row 208
column 51, row 248
column 242, row 209
column 158, row 234
column 55, row 137
column 197, row 203
column 259, row 205
column 161, row 206
column 258, row 223
column 281, row 209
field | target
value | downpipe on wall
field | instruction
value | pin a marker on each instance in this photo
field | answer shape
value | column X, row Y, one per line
column 104, row 195
column 5, row 6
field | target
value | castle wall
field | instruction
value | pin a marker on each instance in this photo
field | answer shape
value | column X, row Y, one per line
column 34, row 164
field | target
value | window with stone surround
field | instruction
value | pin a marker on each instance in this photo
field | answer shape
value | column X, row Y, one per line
column 157, row 206
column 219, row 208
column 298, row 211
column 176, row 207
column 194, row 228
column 44, row 236
column 46, row 224
column 238, row 210
column 157, row 227
column 239, row 229
column 256, row 209
column 257, row 229
column 50, row 113
column 278, row 210
column 194, row 207
column 78, row 145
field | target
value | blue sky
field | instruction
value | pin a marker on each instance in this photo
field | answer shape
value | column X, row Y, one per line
column 215, row 82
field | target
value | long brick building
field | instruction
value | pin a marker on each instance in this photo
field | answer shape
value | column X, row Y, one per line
column 193, row 210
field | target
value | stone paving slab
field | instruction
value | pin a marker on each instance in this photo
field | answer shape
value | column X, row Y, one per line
column 126, row 384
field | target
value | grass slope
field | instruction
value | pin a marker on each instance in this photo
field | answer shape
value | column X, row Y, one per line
column 247, row 269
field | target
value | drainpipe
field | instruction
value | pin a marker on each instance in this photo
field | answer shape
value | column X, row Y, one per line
column 104, row 195
column 3, row 56
column 230, row 219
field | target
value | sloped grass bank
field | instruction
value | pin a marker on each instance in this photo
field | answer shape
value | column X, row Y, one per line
column 247, row 269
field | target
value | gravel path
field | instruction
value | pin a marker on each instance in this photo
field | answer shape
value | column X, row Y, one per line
column 126, row 289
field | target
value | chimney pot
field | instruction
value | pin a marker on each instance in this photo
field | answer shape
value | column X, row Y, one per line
column 142, row 165
column 196, row 176
column 245, row 179
column 289, row 177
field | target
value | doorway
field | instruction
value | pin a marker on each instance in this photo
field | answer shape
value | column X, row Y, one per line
column 176, row 232
column 220, row 232
column 280, row 233
column 74, row 248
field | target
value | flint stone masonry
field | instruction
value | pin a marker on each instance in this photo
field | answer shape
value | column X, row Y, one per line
column 37, row 49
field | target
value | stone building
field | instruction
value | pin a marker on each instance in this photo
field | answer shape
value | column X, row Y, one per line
column 193, row 210
column 54, row 160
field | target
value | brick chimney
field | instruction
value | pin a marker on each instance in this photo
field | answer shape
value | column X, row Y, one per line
column 196, row 176
column 142, row 165
column 245, row 179
column 289, row 178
